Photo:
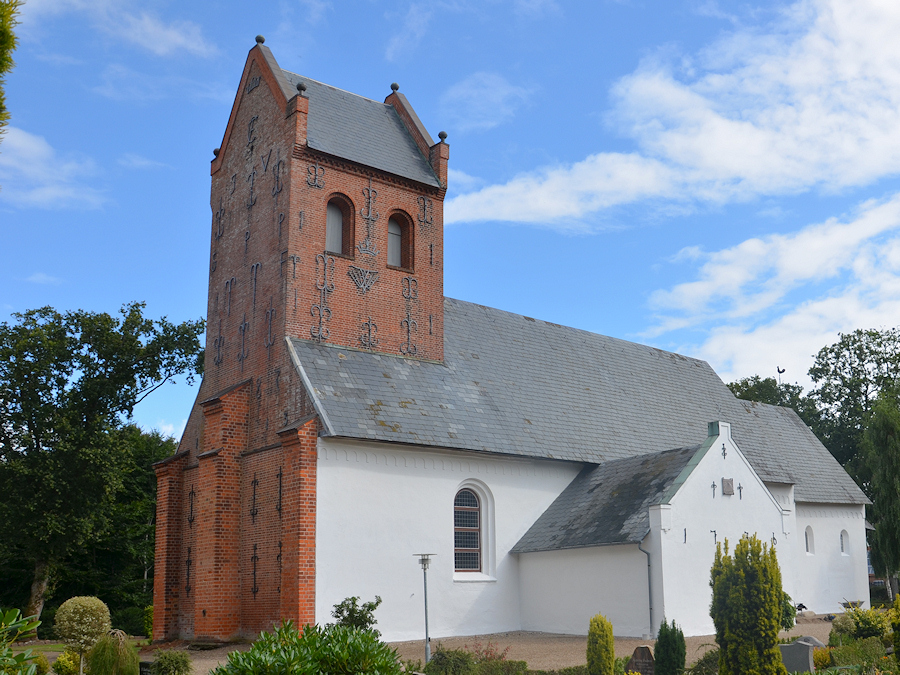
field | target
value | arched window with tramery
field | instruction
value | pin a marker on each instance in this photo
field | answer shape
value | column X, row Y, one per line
column 467, row 531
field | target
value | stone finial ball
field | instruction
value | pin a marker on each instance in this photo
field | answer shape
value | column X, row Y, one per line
column 442, row 135
column 260, row 39
column 216, row 151
column 395, row 86
column 301, row 87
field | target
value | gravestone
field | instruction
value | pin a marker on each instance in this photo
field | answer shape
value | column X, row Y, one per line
column 798, row 657
column 641, row 661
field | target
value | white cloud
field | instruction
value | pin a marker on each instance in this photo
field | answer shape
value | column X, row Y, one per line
column 743, row 293
column 415, row 25
column 32, row 174
column 812, row 102
column 481, row 101
column 41, row 278
column 133, row 161
column 115, row 19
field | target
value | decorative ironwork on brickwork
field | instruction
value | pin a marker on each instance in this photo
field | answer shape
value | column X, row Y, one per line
column 251, row 199
column 426, row 212
column 229, row 287
column 277, row 170
column 233, row 184
column 251, row 130
column 214, row 263
column 253, row 510
column 278, row 560
column 370, row 215
column 265, row 159
column 325, row 286
column 270, row 319
column 246, row 240
column 368, row 339
column 280, row 483
column 254, row 559
column 315, row 176
column 220, row 221
column 218, row 344
column 254, row 276
column 280, row 222
column 411, row 326
column 190, row 517
column 243, row 328
column 363, row 278
column 410, row 288
column 294, row 259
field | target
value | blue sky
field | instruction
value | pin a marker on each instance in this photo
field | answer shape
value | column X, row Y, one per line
column 714, row 178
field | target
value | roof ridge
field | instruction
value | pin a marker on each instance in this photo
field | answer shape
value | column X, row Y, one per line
column 331, row 86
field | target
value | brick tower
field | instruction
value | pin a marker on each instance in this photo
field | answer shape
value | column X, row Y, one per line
column 327, row 225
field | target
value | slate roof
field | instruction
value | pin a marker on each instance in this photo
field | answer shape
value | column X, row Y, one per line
column 362, row 130
column 514, row 385
column 606, row 504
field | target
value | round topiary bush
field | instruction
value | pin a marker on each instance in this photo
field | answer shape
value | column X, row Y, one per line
column 81, row 621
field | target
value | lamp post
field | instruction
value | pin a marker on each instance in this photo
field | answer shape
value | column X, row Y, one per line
column 425, row 561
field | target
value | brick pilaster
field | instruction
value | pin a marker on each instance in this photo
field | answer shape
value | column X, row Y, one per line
column 167, row 566
column 298, row 579
column 217, row 595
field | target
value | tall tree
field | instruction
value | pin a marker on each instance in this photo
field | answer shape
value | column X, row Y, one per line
column 881, row 445
column 67, row 382
column 849, row 375
column 9, row 9
column 769, row 390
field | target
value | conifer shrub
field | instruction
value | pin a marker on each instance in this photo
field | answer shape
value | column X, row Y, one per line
column 788, row 612
column 671, row 651
column 148, row 622
column 746, row 608
column 601, row 655
column 112, row 655
column 171, row 662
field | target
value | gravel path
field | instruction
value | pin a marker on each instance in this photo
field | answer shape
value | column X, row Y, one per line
column 543, row 651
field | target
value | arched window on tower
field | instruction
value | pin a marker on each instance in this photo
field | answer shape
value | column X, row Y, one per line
column 467, row 531
column 339, row 226
column 400, row 241
column 810, row 541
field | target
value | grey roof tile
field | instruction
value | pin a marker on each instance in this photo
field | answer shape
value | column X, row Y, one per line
column 362, row 130
column 513, row 385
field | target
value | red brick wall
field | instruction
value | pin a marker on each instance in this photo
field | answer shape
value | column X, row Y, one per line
column 252, row 419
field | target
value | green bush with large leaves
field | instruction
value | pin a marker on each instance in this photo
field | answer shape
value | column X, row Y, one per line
column 337, row 650
column 13, row 626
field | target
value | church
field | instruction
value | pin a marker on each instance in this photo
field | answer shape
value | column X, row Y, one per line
column 351, row 417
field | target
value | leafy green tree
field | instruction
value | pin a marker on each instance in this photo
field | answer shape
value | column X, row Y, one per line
column 9, row 9
column 881, row 446
column 746, row 608
column 67, row 383
column 849, row 375
column 769, row 390
column 350, row 613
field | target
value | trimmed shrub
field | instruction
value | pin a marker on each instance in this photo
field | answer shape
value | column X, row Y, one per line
column 671, row 651
column 450, row 662
column 868, row 622
column 501, row 667
column 171, row 662
column 81, row 621
column 864, row 653
column 822, row 658
column 41, row 664
column 148, row 622
column 112, row 655
column 332, row 649
column 67, row 663
column 747, row 608
column 351, row 614
column 601, row 654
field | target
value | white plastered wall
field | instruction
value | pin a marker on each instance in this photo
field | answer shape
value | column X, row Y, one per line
column 826, row 576
column 562, row 590
column 378, row 504
column 684, row 532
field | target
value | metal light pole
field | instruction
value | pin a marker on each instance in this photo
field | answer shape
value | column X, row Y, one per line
column 425, row 561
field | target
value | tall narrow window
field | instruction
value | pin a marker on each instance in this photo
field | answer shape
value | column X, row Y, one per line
column 845, row 543
column 467, row 531
column 334, row 229
column 395, row 243
column 810, row 541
